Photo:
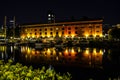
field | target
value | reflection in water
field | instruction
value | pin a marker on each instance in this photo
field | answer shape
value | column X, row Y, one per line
column 74, row 56
column 107, row 59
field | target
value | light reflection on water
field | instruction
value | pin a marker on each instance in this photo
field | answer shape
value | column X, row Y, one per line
column 78, row 56
column 69, row 56
column 107, row 59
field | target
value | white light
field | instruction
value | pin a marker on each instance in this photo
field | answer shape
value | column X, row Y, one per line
column 49, row 15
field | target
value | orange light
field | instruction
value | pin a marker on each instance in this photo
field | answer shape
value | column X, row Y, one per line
column 66, row 35
column 72, row 35
column 86, row 35
column 66, row 52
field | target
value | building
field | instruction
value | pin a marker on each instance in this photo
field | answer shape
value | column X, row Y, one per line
column 83, row 28
column 50, row 17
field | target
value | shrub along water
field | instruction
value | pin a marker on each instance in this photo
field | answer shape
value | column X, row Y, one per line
column 9, row 71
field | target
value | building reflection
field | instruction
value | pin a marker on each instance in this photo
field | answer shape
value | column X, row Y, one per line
column 74, row 56
column 3, row 52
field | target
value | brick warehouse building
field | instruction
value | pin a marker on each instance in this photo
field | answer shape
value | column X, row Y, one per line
column 68, row 29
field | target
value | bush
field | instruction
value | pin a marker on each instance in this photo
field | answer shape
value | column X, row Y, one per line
column 8, row 71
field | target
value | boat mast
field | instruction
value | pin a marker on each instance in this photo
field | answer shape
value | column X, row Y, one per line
column 5, row 18
column 13, row 28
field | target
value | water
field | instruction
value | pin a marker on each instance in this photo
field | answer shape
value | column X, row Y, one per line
column 82, row 63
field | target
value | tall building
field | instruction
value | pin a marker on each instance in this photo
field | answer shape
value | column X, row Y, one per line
column 83, row 28
column 50, row 17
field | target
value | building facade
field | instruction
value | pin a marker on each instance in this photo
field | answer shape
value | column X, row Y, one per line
column 83, row 29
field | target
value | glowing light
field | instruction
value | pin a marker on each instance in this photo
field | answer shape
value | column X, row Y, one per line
column 66, row 52
column 87, row 51
column 28, row 51
column 48, row 51
column 28, row 35
column 33, row 52
column 57, row 58
column 60, row 53
column 101, row 52
column 48, row 36
column 66, row 35
column 86, row 35
column 101, row 35
column 94, row 50
column 33, row 36
column 73, row 35
column 94, row 35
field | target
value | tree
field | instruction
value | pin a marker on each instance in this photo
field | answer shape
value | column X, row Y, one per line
column 114, row 33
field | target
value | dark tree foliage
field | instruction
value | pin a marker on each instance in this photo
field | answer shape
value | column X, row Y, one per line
column 115, row 33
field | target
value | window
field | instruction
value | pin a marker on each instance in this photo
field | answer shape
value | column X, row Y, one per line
column 97, row 26
column 62, row 28
column 76, row 27
column 51, row 29
column 40, row 33
column 56, row 32
column 40, row 29
column 76, row 32
column 45, row 29
column 51, row 33
column 45, row 33
column 82, row 27
column 35, row 29
column 62, row 32
column 97, row 31
column 69, row 32
column 56, row 28
column 90, row 26
column 69, row 28
column 82, row 31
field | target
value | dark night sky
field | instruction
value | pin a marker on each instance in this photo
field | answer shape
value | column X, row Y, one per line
column 36, row 11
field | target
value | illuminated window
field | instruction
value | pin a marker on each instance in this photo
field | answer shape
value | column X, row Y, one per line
column 56, row 28
column 49, row 18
